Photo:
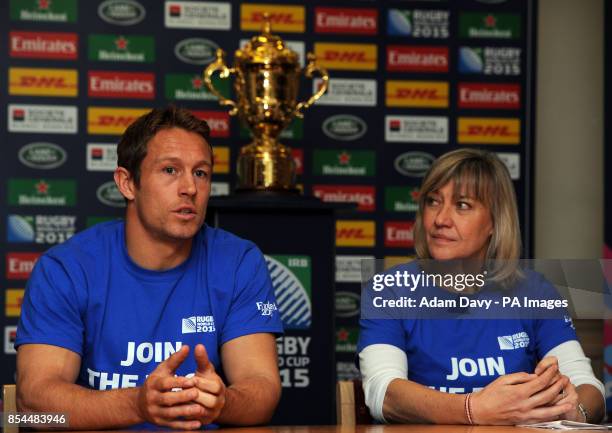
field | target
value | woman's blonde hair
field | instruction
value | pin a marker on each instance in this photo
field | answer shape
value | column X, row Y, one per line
column 483, row 176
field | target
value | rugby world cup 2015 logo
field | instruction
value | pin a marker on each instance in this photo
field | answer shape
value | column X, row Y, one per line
column 291, row 279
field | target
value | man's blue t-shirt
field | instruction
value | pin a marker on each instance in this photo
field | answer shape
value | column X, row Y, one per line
column 88, row 296
column 464, row 355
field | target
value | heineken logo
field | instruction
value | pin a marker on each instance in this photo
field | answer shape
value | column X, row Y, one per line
column 109, row 194
column 344, row 127
column 121, row 12
column 347, row 304
column 346, row 339
column 344, row 163
column 41, row 192
column 196, row 51
column 59, row 11
column 191, row 87
column 402, row 199
column 488, row 25
column 42, row 155
column 414, row 164
column 122, row 48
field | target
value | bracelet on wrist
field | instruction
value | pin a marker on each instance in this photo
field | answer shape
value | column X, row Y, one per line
column 583, row 412
column 468, row 408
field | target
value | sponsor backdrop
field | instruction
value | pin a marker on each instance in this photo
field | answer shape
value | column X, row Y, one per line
column 607, row 248
column 410, row 80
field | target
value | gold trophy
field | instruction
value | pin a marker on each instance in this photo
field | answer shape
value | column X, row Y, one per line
column 267, row 77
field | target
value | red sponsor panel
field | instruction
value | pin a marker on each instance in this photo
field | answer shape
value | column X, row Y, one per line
column 399, row 234
column 405, row 58
column 115, row 84
column 363, row 195
column 20, row 265
column 489, row 95
column 346, row 20
column 44, row 45
column 298, row 158
column 218, row 121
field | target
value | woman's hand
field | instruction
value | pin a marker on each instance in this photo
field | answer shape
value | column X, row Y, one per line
column 522, row 398
column 570, row 396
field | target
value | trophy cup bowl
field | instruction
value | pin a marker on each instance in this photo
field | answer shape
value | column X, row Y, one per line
column 267, row 80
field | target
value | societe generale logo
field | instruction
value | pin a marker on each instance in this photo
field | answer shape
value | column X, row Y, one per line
column 346, row 20
column 283, row 18
column 401, row 93
column 44, row 45
column 111, row 121
column 20, row 265
column 360, row 57
column 473, row 130
column 355, row 233
column 399, row 234
column 43, row 82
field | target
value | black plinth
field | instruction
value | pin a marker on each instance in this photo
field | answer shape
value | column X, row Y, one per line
column 297, row 235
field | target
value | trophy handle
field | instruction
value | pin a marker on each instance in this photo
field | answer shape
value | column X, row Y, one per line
column 309, row 71
column 224, row 72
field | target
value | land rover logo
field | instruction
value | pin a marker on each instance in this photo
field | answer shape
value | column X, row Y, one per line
column 414, row 164
column 44, row 156
column 347, row 304
column 109, row 195
column 121, row 12
column 196, row 51
column 344, row 127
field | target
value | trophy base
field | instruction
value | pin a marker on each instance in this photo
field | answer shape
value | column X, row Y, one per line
column 267, row 192
column 267, row 167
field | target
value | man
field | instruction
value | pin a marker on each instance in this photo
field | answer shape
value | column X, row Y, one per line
column 128, row 322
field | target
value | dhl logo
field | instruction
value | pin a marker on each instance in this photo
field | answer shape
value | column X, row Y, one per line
column 111, row 121
column 283, row 18
column 417, row 94
column 488, row 131
column 14, row 299
column 221, row 158
column 393, row 261
column 355, row 233
column 43, row 82
column 362, row 57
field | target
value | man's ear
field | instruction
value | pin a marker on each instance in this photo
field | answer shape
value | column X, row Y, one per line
column 125, row 183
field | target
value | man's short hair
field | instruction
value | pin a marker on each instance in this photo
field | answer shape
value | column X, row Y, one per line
column 132, row 147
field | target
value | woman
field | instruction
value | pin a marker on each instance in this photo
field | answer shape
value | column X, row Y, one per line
column 493, row 372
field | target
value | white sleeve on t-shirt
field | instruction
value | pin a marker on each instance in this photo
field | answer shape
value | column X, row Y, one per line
column 382, row 363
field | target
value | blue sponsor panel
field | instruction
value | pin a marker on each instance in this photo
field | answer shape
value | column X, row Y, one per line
column 470, row 60
column 20, row 228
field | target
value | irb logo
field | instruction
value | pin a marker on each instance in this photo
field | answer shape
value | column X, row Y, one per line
column 196, row 324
